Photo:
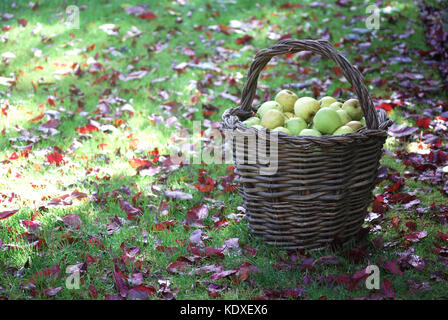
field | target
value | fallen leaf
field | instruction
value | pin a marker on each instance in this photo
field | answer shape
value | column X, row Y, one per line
column 7, row 214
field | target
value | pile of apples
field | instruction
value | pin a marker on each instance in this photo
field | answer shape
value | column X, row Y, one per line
column 307, row 116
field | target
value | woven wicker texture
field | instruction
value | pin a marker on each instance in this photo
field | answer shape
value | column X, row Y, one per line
column 323, row 185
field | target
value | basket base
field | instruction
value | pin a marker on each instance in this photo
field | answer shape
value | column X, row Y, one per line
column 323, row 244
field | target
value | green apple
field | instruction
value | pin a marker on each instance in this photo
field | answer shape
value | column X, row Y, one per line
column 343, row 115
column 310, row 132
column 326, row 101
column 306, row 108
column 272, row 118
column 282, row 129
column 289, row 115
column 355, row 125
column 287, row 99
column 251, row 121
column 296, row 125
column 353, row 109
column 335, row 106
column 327, row 121
column 343, row 130
column 268, row 105
column 363, row 121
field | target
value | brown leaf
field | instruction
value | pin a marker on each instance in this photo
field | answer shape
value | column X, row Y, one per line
column 72, row 220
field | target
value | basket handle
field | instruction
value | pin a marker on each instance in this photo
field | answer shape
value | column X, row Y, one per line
column 321, row 47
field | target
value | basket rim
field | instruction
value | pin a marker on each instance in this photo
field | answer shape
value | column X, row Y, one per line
column 231, row 120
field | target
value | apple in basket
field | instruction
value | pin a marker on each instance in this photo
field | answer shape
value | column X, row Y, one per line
column 310, row 132
column 268, row 105
column 272, row 119
column 355, row 125
column 353, row 108
column 327, row 121
column 343, row 115
column 306, row 108
column 327, row 101
column 343, row 130
column 306, row 116
column 296, row 125
column 336, row 106
column 287, row 99
column 282, row 129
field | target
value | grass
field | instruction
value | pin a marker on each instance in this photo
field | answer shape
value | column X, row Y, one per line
column 99, row 162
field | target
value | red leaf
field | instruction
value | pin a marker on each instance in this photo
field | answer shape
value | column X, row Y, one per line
column 30, row 226
column 45, row 273
column 120, row 282
column 222, row 274
column 147, row 16
column 14, row 156
column 288, row 5
column 337, row 71
column 67, row 199
column 401, row 198
column 177, row 267
column 140, row 292
column 214, row 290
column 206, row 252
column 244, row 40
column 92, row 291
column 394, row 187
column 87, row 129
column 392, row 267
column 131, row 211
column 164, row 225
column 443, row 236
column 7, row 214
column 204, row 188
column 424, row 122
column 395, row 222
column 411, row 225
column 22, row 22
column 51, row 101
column 387, row 290
column 55, row 158
column 72, row 220
column 378, row 206
column 38, row 118
column 139, row 163
column 285, row 36
column 196, row 214
column 416, row 236
column 386, row 106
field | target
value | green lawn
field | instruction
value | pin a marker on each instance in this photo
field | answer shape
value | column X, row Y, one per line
column 101, row 121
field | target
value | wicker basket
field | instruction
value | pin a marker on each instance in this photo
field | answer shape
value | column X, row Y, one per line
column 323, row 185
